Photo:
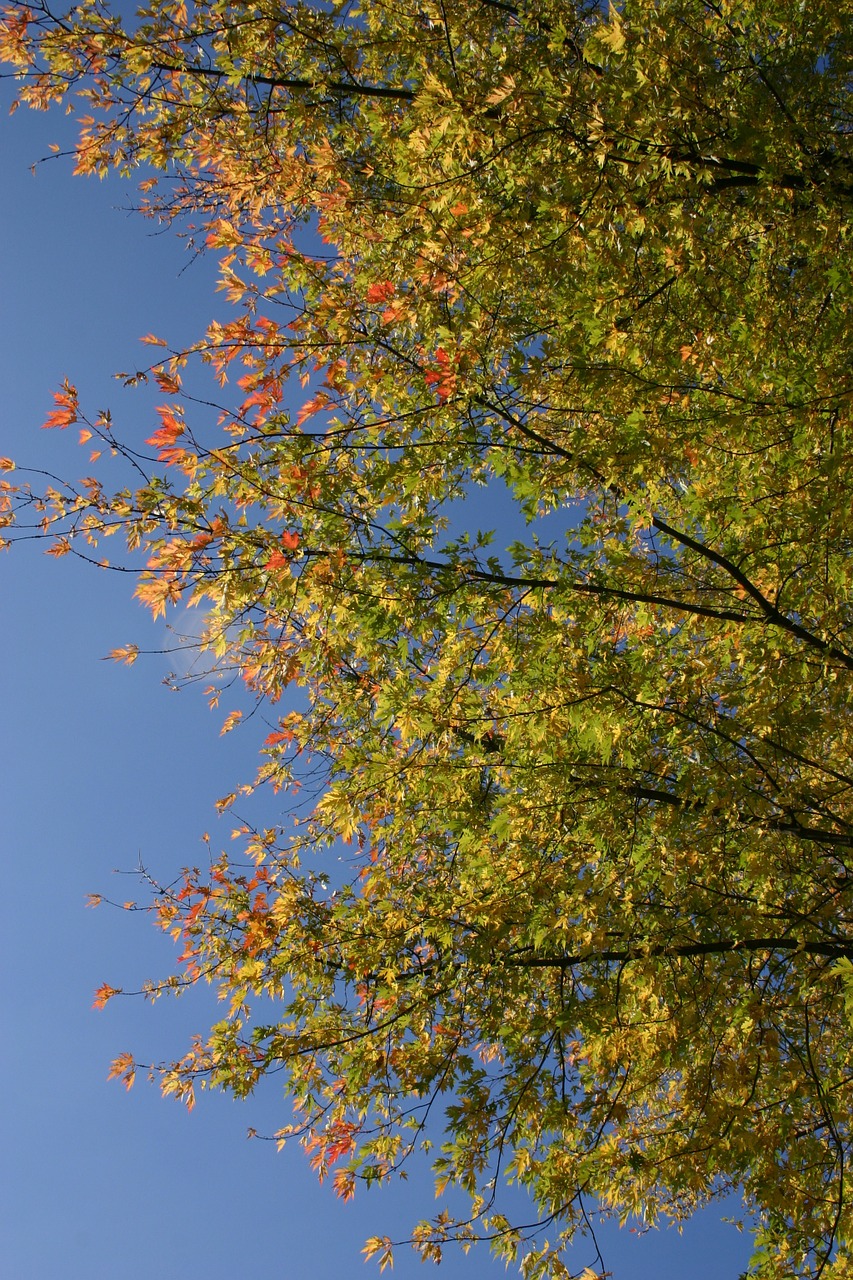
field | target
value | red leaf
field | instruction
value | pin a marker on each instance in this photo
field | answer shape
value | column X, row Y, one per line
column 380, row 292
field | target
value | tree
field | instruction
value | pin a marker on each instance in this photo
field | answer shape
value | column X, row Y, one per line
column 597, row 789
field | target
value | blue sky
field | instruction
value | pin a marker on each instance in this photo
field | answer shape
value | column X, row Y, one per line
column 104, row 767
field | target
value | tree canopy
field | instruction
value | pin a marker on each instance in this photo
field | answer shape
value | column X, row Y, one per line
column 594, row 935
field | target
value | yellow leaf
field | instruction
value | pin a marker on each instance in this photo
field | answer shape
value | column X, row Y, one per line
column 231, row 719
column 128, row 654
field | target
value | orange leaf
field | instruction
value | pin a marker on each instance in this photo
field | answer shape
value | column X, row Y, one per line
column 344, row 1184
column 312, row 406
column 104, row 993
column 124, row 1069
column 164, row 437
column 66, row 413
column 277, row 560
column 231, row 719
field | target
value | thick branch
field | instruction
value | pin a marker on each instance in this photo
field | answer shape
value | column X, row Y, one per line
column 842, row 947
column 791, row 827
column 773, row 615
column 471, row 574
column 339, row 88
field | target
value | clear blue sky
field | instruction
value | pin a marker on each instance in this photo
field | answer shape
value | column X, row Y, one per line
column 103, row 766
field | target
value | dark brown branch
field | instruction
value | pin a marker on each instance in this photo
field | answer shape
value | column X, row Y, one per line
column 472, row 574
column 773, row 615
column 339, row 88
column 790, row 827
column 842, row 947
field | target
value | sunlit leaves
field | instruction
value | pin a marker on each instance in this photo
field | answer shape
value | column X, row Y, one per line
column 126, row 654
column 124, row 1069
column 381, row 1248
column 66, row 411
column 591, row 777
column 159, row 591
column 232, row 719
column 105, row 993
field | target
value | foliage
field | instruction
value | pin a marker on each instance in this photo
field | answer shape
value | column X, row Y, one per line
column 597, row 790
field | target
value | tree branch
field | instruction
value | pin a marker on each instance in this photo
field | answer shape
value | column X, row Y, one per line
column 773, row 615
column 722, row 946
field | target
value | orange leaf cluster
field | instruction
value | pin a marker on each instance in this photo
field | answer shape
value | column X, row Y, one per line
column 104, row 993
column 165, row 436
column 66, row 411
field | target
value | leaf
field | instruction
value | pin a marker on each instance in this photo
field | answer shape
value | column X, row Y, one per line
column 128, row 654
column 124, row 1069
column 157, row 592
column 380, row 291
column 67, row 409
column 382, row 1246
column 233, row 718
column 104, row 993
column 165, row 437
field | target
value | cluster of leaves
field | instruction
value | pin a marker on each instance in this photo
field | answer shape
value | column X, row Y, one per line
column 598, row 790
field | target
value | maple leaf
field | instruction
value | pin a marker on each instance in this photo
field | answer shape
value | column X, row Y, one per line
column 128, row 654
column 230, row 721
column 166, row 381
column 104, row 992
column 311, row 407
column 165, row 436
column 66, row 411
column 157, row 592
column 381, row 291
column 344, row 1184
column 382, row 1246
column 123, row 1068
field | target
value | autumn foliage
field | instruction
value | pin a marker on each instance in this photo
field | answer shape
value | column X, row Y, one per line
column 593, row 774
